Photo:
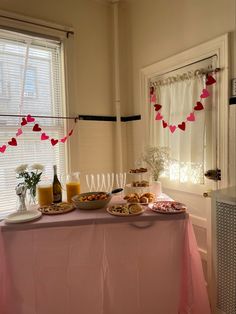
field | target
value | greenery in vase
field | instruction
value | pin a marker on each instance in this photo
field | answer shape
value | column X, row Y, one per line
column 156, row 159
column 31, row 176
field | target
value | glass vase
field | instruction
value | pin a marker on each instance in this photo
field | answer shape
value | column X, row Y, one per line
column 31, row 197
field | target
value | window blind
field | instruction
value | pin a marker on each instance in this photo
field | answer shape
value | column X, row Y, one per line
column 31, row 82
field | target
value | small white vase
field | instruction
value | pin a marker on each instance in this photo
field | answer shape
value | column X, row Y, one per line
column 156, row 188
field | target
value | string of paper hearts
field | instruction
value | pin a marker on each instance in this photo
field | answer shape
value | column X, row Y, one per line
column 210, row 80
column 36, row 128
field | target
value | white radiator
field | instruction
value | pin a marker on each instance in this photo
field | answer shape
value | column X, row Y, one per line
column 224, row 204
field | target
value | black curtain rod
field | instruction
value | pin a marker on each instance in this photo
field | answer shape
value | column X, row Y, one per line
column 38, row 24
column 80, row 117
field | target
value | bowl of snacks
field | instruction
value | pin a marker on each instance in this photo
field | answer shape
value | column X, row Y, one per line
column 91, row 200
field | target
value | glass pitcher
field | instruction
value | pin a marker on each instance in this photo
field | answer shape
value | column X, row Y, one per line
column 72, row 185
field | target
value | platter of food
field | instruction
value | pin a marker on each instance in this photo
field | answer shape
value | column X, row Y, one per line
column 142, row 198
column 55, row 209
column 138, row 170
column 167, row 207
column 125, row 210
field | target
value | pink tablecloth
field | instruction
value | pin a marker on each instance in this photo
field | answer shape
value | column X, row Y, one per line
column 144, row 267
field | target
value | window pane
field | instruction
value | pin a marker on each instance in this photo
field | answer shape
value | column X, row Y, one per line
column 30, row 83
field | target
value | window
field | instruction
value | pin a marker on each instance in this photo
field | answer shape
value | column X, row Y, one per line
column 31, row 69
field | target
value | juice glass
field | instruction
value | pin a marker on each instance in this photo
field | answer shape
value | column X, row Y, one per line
column 45, row 194
column 72, row 185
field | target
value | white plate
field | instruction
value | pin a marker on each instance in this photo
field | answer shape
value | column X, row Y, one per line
column 23, row 216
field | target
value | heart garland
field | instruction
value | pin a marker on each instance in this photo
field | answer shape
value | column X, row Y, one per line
column 210, row 80
column 36, row 128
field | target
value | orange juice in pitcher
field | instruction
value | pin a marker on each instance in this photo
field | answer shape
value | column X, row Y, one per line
column 72, row 185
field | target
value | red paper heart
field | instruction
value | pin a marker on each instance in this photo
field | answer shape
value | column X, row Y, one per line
column 70, row 133
column 164, row 124
column 30, row 119
column 182, row 126
column 3, row 148
column 210, row 80
column 151, row 90
column 157, row 107
column 54, row 142
column 13, row 142
column 63, row 139
column 19, row 132
column 24, row 122
column 44, row 137
column 36, row 128
column 199, row 106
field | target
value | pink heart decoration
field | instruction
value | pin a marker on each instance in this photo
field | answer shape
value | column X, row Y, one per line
column 54, row 142
column 210, row 80
column 204, row 93
column 153, row 98
column 44, row 137
column 159, row 116
column 23, row 122
column 70, row 133
column 29, row 118
column 19, row 132
column 3, row 148
column 36, row 128
column 63, row 139
column 12, row 142
column 199, row 106
column 191, row 117
column 157, row 107
column 182, row 126
column 172, row 128
column 164, row 124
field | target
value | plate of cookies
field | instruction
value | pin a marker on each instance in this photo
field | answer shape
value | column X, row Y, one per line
column 168, row 207
column 57, row 208
column 142, row 198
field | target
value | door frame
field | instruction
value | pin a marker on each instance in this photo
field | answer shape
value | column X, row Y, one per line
column 220, row 47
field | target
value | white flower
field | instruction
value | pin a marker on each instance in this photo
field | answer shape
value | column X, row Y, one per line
column 21, row 168
column 37, row 167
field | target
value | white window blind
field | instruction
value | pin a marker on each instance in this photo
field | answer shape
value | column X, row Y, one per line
column 30, row 83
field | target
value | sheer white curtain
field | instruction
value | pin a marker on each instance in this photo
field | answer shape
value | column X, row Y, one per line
column 187, row 148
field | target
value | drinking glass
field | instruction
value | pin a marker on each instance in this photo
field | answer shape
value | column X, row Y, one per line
column 72, row 185
column 45, row 193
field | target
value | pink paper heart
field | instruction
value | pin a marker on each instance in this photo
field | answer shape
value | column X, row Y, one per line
column 204, row 93
column 191, row 117
column 3, row 148
column 19, row 132
column 159, row 116
column 29, row 118
column 172, row 128
column 44, row 137
column 24, row 122
column 63, row 139
column 153, row 98
column 198, row 106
